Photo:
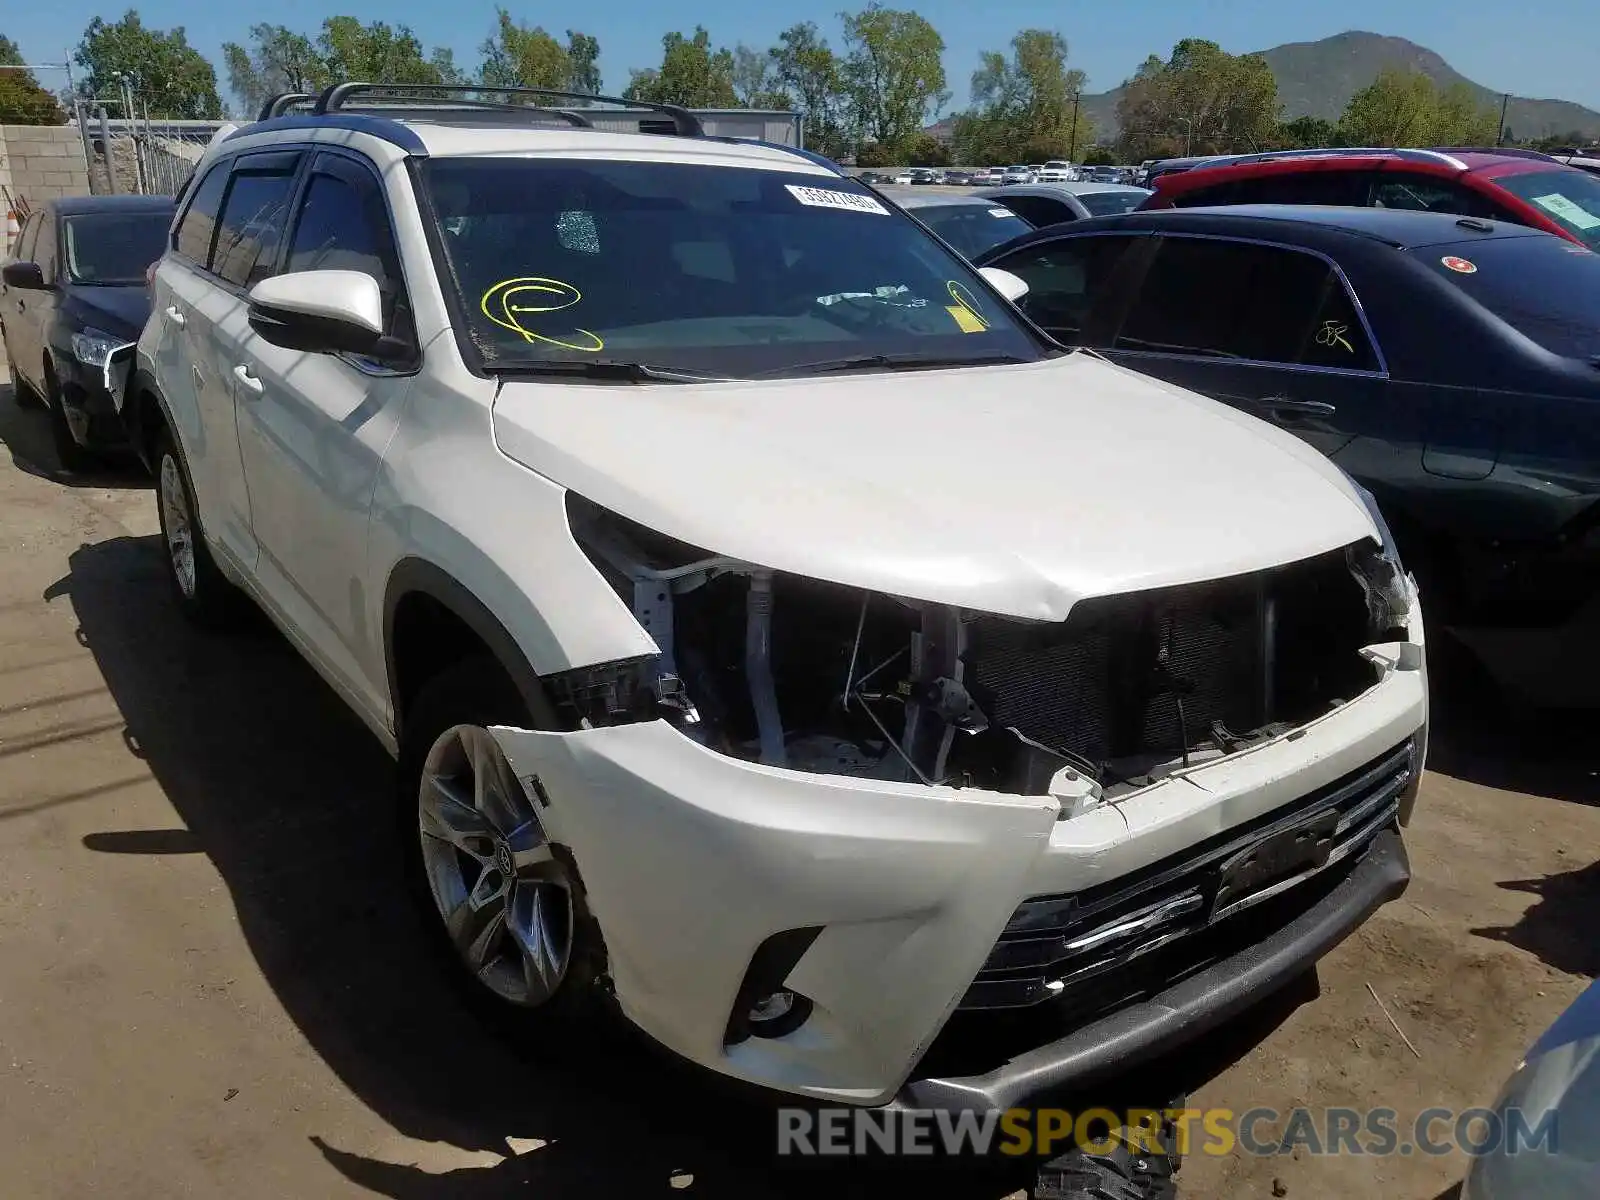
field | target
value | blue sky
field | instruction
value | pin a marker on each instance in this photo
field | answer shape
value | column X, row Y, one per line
column 1543, row 49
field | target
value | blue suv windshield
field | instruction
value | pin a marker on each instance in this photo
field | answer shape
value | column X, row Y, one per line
column 730, row 270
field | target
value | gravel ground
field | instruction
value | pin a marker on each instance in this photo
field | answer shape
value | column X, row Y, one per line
column 205, row 988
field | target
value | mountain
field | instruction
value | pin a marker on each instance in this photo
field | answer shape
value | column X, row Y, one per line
column 1317, row 79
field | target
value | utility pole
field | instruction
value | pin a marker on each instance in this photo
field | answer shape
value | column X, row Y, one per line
column 1188, row 134
column 1505, row 99
column 1073, row 155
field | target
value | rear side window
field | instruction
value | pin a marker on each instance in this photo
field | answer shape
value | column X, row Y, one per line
column 1569, row 197
column 199, row 222
column 251, row 225
column 1225, row 299
column 1066, row 280
column 1041, row 210
column 1546, row 288
column 1421, row 193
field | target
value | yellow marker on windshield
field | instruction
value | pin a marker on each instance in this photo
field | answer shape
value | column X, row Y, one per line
column 514, row 304
column 965, row 311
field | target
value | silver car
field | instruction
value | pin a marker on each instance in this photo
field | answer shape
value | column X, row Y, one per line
column 970, row 224
column 1052, row 203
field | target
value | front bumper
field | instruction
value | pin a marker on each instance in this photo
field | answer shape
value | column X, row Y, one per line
column 89, row 408
column 692, row 860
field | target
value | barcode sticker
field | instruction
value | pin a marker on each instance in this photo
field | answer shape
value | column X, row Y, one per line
column 831, row 198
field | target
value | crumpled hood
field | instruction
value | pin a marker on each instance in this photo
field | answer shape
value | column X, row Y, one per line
column 1017, row 489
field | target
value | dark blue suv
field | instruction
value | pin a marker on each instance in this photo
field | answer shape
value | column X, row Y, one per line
column 1450, row 364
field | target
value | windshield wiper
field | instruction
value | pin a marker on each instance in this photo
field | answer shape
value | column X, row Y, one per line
column 617, row 369
column 889, row 362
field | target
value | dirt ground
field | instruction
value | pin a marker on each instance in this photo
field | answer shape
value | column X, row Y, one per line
column 208, row 985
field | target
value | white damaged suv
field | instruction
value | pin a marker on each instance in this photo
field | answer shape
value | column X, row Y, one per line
column 782, row 642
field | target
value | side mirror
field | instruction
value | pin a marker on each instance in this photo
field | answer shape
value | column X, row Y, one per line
column 1012, row 287
column 24, row 276
column 323, row 312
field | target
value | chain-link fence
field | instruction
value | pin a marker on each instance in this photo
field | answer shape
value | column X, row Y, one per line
column 141, row 157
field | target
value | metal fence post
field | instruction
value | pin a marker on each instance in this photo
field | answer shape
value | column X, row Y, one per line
column 105, row 141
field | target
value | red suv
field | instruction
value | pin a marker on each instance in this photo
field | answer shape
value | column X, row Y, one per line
column 1521, row 186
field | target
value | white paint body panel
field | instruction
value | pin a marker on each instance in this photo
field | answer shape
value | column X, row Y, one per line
column 1016, row 490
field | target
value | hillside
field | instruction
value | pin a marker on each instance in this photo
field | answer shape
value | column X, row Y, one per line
column 1317, row 79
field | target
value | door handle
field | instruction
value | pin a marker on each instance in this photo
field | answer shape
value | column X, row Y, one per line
column 1310, row 408
column 250, row 382
column 175, row 315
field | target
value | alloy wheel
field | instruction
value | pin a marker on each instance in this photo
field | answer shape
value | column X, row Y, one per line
column 503, row 894
column 176, row 522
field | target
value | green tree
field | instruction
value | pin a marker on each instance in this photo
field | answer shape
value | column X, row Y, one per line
column 22, row 100
column 276, row 60
column 691, row 74
column 165, row 72
column 1024, row 106
column 583, row 62
column 893, row 72
column 755, row 79
column 516, row 55
column 924, row 150
column 1407, row 108
column 1201, row 99
column 375, row 53
column 1307, row 133
column 805, row 67
column 1099, row 156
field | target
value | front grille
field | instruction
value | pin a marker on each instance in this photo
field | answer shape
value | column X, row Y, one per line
column 1155, row 674
column 1068, row 947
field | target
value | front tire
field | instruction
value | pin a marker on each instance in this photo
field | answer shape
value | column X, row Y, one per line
column 503, row 905
column 202, row 592
column 72, row 457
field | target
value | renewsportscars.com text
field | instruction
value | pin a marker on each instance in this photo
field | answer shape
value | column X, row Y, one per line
column 1261, row 1132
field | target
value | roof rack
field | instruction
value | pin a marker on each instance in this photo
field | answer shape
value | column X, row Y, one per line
column 280, row 104
column 1233, row 160
column 388, row 97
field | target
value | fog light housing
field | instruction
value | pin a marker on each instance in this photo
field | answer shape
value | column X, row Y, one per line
column 777, row 1014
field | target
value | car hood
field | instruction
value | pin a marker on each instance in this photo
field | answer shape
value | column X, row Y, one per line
column 117, row 310
column 1014, row 489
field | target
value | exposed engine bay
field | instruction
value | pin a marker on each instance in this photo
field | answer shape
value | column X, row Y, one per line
column 831, row 679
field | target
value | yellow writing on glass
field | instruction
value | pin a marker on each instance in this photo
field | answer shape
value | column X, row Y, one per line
column 520, row 304
column 1332, row 334
column 965, row 312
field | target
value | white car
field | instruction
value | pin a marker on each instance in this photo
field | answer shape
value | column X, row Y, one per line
column 1055, row 171
column 1018, row 173
column 783, row 644
column 904, row 178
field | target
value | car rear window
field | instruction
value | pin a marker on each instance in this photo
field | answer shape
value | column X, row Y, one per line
column 972, row 228
column 1569, row 197
column 1106, row 204
column 1546, row 288
column 114, row 249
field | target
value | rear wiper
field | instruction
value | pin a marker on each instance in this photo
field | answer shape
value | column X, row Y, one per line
column 618, row 369
column 889, row 362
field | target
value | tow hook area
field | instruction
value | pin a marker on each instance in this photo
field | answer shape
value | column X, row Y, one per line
column 1129, row 1164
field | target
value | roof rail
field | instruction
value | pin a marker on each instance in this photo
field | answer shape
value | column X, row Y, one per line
column 1508, row 151
column 337, row 98
column 1234, row 160
column 280, row 104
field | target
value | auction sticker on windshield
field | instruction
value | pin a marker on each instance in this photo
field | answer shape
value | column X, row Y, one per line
column 1569, row 211
column 830, row 198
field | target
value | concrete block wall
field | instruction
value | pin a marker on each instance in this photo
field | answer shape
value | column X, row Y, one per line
column 39, row 163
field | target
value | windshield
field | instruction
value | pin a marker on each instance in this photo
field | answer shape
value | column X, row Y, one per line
column 1105, row 204
column 114, row 249
column 1569, row 197
column 972, row 228
column 725, row 270
column 1546, row 288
